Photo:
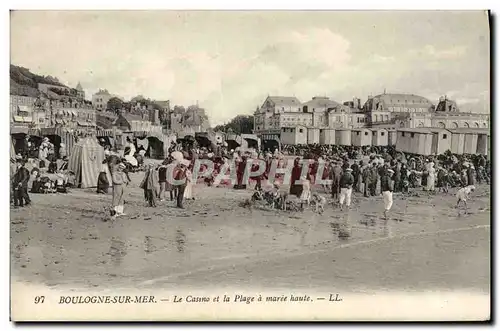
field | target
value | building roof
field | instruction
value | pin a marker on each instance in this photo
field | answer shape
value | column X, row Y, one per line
column 386, row 126
column 360, row 129
column 322, row 102
column 422, row 130
column 294, row 126
column 399, row 100
column 79, row 87
column 446, row 105
column 402, row 98
column 470, row 130
column 102, row 92
column 284, row 100
column 133, row 117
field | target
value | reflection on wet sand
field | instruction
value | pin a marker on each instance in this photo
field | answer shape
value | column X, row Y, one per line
column 117, row 250
column 180, row 240
column 154, row 244
column 148, row 245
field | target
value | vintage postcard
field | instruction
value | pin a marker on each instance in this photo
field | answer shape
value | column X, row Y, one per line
column 250, row 165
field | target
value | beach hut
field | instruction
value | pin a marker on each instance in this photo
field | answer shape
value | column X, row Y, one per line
column 423, row 141
column 483, row 142
column 468, row 140
column 313, row 136
column 392, row 136
column 380, row 137
column 86, row 162
column 233, row 140
column 250, row 141
column 361, row 137
column 294, row 135
column 343, row 137
column 59, row 135
column 327, row 136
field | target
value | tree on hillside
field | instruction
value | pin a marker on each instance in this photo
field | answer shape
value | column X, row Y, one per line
column 179, row 109
column 138, row 98
column 240, row 124
column 114, row 105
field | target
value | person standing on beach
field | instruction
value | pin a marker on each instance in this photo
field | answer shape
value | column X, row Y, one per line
column 149, row 185
column 387, row 188
column 20, row 185
column 180, row 176
column 120, row 180
column 346, row 183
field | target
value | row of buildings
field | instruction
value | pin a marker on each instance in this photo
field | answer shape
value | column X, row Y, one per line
column 67, row 110
column 287, row 120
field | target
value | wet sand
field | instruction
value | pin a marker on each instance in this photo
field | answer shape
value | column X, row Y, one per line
column 63, row 241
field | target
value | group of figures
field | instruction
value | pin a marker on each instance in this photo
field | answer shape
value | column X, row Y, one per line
column 337, row 170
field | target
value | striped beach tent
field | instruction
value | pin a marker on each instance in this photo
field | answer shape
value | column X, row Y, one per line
column 12, row 150
column 86, row 161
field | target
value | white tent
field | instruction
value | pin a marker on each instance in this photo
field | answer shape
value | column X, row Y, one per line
column 86, row 161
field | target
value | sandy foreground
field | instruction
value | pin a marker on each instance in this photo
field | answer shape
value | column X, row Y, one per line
column 64, row 243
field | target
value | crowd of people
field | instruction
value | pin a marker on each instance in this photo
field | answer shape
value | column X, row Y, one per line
column 337, row 170
column 370, row 171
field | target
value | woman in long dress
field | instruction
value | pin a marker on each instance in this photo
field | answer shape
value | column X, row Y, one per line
column 431, row 177
column 296, row 189
column 305, row 195
column 188, row 192
column 102, row 180
column 129, row 156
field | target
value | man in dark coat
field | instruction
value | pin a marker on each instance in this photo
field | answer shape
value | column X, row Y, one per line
column 20, row 185
column 295, row 187
column 373, row 178
column 366, row 179
column 356, row 172
column 336, row 174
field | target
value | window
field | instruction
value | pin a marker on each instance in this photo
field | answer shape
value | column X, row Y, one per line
column 258, row 128
column 301, row 130
column 366, row 133
column 445, row 136
column 374, row 133
column 412, row 135
column 382, row 133
column 357, row 133
column 402, row 134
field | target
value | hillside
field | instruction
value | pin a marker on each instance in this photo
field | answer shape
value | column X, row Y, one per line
column 24, row 82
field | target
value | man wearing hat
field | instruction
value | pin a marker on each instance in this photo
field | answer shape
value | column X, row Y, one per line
column 20, row 184
column 346, row 183
column 336, row 175
column 120, row 179
column 387, row 187
column 180, row 175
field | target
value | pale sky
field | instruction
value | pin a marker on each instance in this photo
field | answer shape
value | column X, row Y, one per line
column 230, row 61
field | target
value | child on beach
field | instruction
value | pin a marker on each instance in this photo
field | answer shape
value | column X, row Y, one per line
column 463, row 195
column 305, row 196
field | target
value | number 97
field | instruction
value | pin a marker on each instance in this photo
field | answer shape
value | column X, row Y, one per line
column 39, row 299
